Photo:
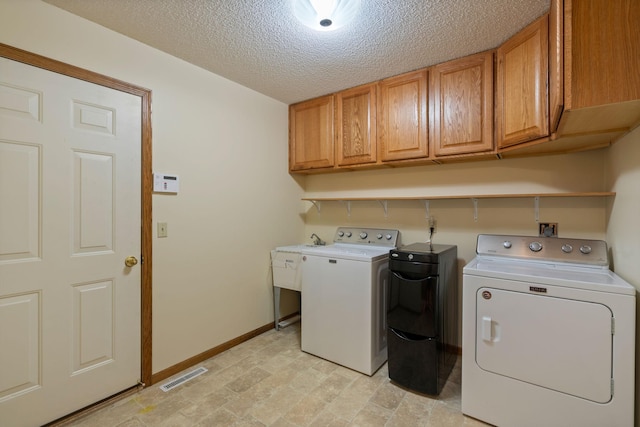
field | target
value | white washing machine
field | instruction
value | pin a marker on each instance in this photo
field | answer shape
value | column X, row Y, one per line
column 344, row 287
column 548, row 335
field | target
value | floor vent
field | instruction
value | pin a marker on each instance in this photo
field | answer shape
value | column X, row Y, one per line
column 182, row 379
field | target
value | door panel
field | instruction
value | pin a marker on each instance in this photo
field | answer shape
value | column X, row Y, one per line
column 93, row 202
column 20, row 219
column 69, row 308
column 93, row 307
column 560, row 344
column 19, row 329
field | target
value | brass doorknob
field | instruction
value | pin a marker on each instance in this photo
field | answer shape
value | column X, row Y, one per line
column 130, row 261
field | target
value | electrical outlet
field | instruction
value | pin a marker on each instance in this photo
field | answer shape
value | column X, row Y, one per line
column 162, row 229
column 548, row 229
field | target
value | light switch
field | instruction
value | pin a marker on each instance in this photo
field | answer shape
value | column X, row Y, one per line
column 162, row 229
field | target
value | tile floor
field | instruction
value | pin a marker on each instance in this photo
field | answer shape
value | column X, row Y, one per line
column 269, row 381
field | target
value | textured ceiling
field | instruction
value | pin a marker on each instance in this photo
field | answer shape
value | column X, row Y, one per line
column 259, row 44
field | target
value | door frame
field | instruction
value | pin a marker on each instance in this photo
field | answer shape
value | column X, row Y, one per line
column 55, row 66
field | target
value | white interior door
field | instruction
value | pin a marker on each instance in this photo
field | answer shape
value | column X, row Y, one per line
column 69, row 216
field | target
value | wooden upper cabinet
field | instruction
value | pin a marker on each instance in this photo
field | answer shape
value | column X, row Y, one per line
column 311, row 134
column 402, row 117
column 522, row 104
column 603, row 52
column 602, row 68
column 461, row 101
column 356, row 126
column 556, row 63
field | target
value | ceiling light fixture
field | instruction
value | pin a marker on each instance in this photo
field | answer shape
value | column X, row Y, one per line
column 325, row 15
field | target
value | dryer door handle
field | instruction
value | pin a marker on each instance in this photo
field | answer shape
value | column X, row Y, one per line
column 486, row 329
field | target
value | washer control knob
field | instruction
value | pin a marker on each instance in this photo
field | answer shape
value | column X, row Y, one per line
column 567, row 248
column 585, row 249
column 410, row 256
column 340, row 233
column 535, row 246
column 389, row 236
column 507, row 244
column 363, row 235
column 379, row 236
column 349, row 234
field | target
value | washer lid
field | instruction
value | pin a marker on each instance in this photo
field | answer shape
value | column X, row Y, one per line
column 294, row 248
column 594, row 278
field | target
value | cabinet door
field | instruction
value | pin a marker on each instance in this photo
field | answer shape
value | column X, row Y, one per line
column 556, row 63
column 522, row 105
column 461, row 97
column 311, row 134
column 603, row 53
column 356, row 125
column 402, row 117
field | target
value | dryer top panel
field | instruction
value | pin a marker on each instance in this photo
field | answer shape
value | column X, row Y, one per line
column 593, row 278
column 554, row 249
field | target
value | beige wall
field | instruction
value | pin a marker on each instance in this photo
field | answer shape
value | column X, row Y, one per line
column 576, row 217
column 583, row 217
column 228, row 144
column 623, row 225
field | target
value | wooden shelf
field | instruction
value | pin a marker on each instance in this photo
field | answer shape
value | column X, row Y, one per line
column 465, row 196
column 317, row 201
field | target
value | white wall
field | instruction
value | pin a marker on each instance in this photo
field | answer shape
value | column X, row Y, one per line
column 228, row 144
column 623, row 225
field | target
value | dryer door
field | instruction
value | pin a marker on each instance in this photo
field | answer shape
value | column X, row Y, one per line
column 560, row 344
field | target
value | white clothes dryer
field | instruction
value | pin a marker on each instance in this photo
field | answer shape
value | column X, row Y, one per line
column 548, row 334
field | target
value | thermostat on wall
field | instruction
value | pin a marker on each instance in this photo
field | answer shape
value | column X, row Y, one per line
column 163, row 183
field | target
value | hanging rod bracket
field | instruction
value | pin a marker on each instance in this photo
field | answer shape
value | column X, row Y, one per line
column 385, row 206
column 348, row 203
column 475, row 209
